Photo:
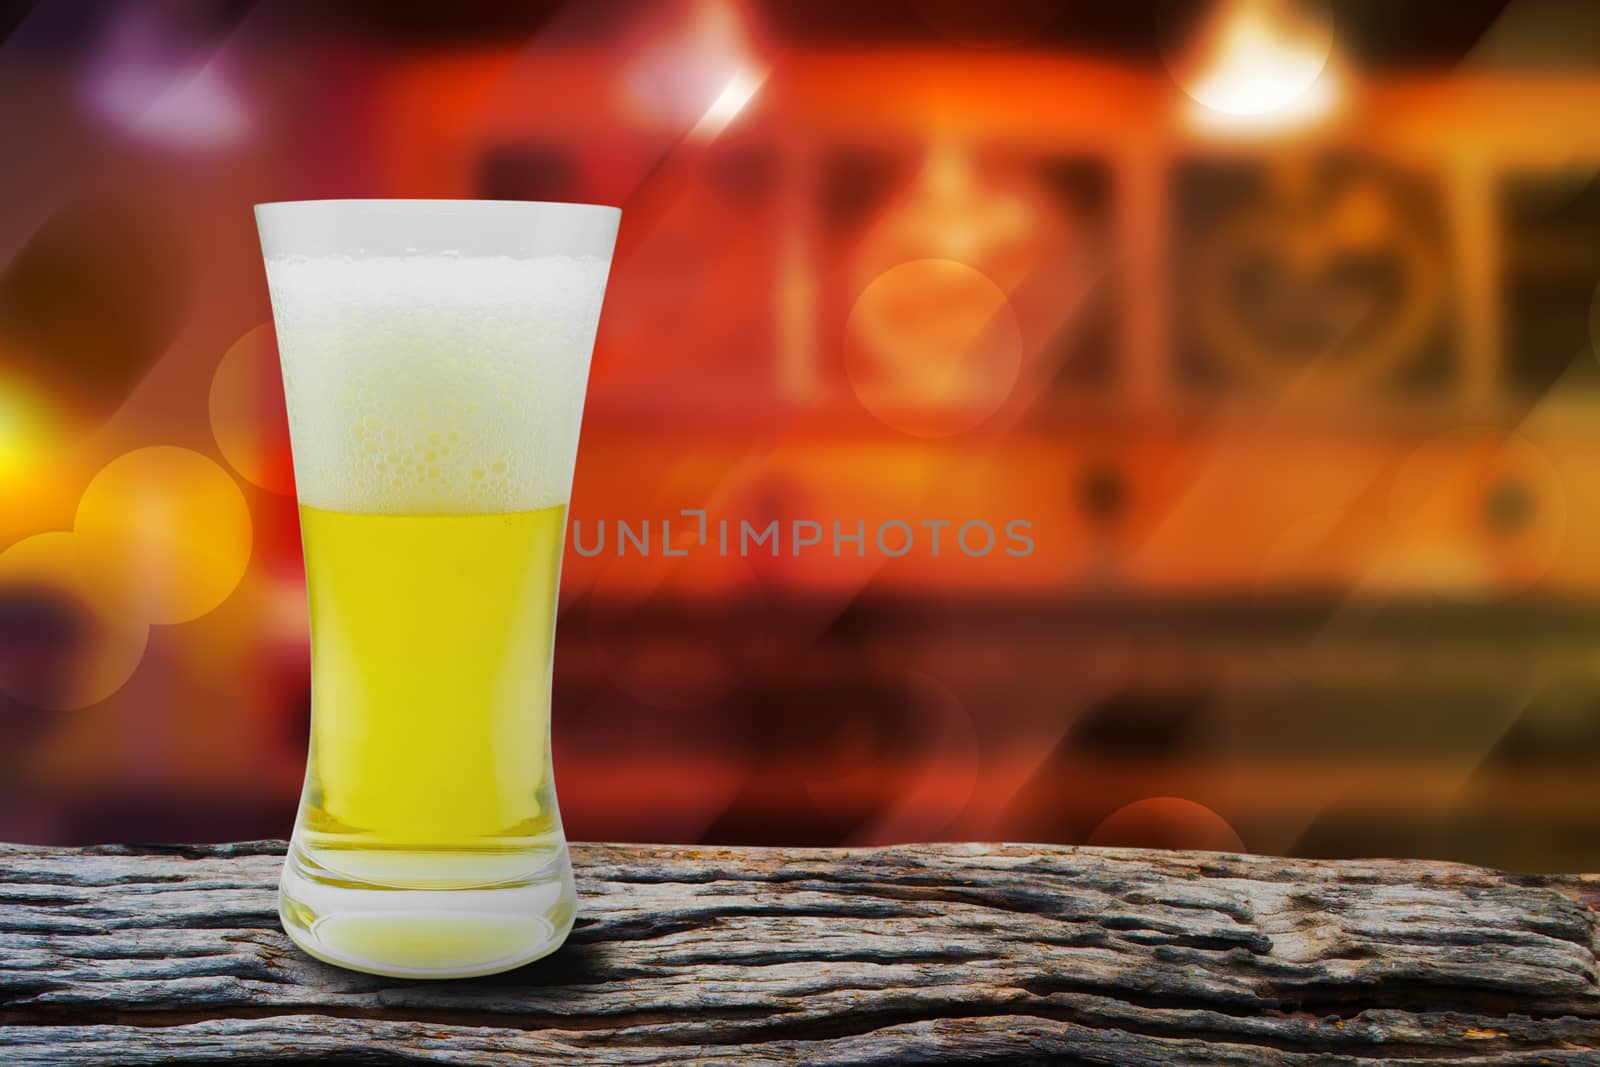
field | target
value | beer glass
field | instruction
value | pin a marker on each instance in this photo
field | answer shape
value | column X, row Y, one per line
column 435, row 356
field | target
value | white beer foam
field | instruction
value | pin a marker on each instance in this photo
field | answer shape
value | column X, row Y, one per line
column 435, row 384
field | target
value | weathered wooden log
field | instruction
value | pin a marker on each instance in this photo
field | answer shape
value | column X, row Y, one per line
column 919, row 954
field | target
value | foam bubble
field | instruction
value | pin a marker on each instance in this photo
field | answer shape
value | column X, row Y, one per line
column 435, row 384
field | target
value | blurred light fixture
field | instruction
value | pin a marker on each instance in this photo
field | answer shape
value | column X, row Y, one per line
column 726, row 107
column 1251, row 64
column 696, row 69
column 158, row 74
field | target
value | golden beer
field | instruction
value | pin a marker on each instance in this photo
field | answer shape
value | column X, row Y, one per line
column 435, row 355
column 434, row 640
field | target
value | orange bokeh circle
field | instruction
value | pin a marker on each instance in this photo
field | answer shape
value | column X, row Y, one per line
column 173, row 527
column 248, row 417
column 1167, row 822
column 932, row 347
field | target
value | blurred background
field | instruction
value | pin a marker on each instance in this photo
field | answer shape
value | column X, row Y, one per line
column 1276, row 320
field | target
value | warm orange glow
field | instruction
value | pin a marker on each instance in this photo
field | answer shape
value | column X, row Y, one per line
column 28, row 424
column 174, row 528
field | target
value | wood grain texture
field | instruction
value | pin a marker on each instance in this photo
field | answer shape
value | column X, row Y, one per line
column 919, row 954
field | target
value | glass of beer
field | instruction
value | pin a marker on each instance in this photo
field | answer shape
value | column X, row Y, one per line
column 435, row 357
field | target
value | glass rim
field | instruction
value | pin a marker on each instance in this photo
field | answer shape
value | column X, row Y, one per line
column 458, row 203
column 377, row 227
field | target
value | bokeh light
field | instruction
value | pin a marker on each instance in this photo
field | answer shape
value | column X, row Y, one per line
column 697, row 67
column 248, row 417
column 1167, row 822
column 932, row 347
column 175, row 527
column 161, row 74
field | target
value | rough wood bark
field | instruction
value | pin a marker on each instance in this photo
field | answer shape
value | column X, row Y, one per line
column 923, row 954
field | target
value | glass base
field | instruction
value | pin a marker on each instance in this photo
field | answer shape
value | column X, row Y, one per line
column 426, row 914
